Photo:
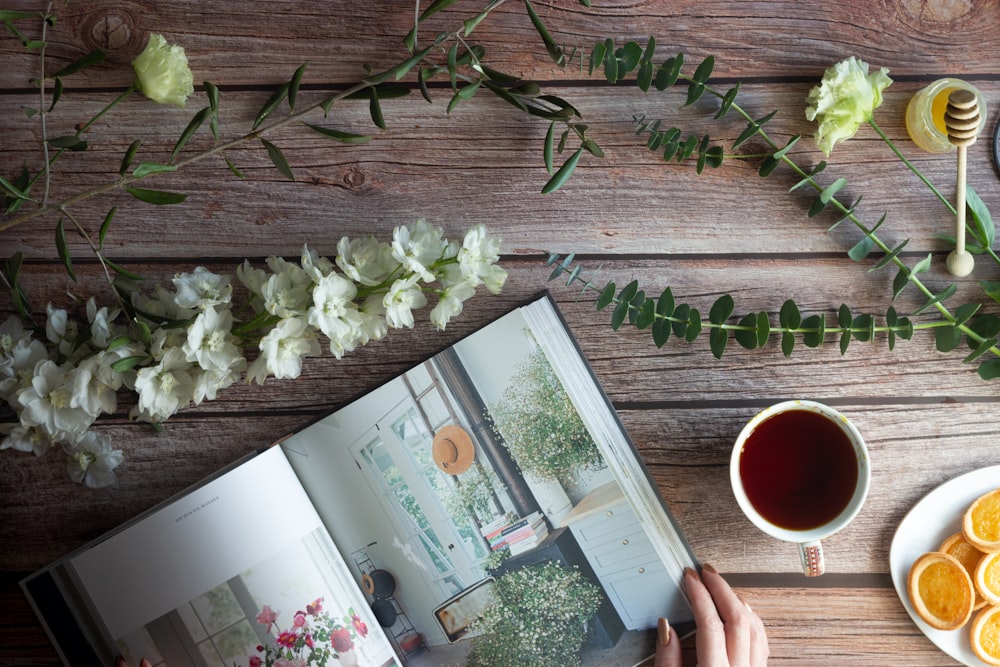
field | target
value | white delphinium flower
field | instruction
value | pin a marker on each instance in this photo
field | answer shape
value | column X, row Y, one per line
column 90, row 392
column 24, row 438
column 164, row 339
column 314, row 265
column 335, row 313
column 419, row 248
column 60, row 330
column 282, row 351
column 162, row 304
column 47, row 402
column 210, row 342
column 403, row 296
column 165, row 388
column 11, row 332
column 208, row 383
column 251, row 277
column 18, row 366
column 286, row 291
column 478, row 257
column 367, row 261
column 201, row 288
column 102, row 327
column 373, row 324
column 92, row 461
column 457, row 287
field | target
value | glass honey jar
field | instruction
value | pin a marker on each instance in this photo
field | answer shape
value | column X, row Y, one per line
column 925, row 114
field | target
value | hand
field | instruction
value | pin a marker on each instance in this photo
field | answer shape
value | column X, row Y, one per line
column 729, row 633
column 120, row 662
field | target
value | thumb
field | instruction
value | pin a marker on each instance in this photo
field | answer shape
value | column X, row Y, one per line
column 668, row 646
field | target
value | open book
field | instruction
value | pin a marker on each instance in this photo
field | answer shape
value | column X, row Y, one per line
column 482, row 508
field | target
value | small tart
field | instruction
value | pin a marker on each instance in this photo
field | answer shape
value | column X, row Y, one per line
column 981, row 522
column 969, row 556
column 984, row 635
column 941, row 591
column 986, row 578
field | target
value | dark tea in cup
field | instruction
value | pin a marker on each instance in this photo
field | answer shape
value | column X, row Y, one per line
column 799, row 469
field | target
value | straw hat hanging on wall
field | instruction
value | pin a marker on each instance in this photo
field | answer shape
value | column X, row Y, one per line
column 453, row 450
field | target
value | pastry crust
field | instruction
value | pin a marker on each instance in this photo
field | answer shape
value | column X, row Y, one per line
column 984, row 635
column 941, row 591
column 969, row 556
column 987, row 577
column 981, row 522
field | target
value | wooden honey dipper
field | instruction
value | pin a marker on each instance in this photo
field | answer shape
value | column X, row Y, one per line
column 962, row 120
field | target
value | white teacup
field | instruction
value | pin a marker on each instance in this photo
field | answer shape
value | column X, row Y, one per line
column 800, row 473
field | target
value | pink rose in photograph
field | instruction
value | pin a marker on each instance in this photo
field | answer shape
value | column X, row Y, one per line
column 359, row 626
column 254, row 661
column 340, row 639
column 299, row 620
column 267, row 616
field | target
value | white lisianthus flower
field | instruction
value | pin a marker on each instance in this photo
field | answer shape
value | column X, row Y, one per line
column 201, row 288
column 24, row 438
column 403, row 296
column 210, row 342
column 846, row 97
column 314, row 265
column 47, row 402
column 478, row 257
column 18, row 367
column 286, row 292
column 419, row 248
column 165, row 388
column 367, row 261
column 162, row 72
column 457, row 289
column 92, row 461
column 101, row 320
column 282, row 350
column 334, row 312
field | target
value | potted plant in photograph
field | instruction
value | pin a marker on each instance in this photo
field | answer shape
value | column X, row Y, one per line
column 538, row 618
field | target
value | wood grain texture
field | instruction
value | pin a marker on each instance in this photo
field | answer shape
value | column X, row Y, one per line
column 925, row 415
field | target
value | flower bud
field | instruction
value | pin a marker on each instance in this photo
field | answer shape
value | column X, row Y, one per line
column 162, row 72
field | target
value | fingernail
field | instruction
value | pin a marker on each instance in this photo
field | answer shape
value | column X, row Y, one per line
column 663, row 632
column 706, row 567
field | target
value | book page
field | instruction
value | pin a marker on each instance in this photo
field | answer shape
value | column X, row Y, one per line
column 224, row 569
column 481, row 479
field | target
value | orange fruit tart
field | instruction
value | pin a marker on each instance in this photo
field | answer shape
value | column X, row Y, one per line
column 956, row 545
column 941, row 591
column 987, row 577
column 981, row 522
column 984, row 636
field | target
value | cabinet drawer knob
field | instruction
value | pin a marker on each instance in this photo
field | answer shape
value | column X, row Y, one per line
column 610, row 513
column 642, row 570
column 625, row 542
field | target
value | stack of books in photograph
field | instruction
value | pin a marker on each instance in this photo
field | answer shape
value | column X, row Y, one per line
column 519, row 536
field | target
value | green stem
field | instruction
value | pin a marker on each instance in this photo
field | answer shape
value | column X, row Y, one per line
column 912, row 167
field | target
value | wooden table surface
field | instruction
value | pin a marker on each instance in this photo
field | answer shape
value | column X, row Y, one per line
column 926, row 416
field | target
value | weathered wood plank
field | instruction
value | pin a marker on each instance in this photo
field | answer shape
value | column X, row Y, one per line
column 749, row 39
column 483, row 163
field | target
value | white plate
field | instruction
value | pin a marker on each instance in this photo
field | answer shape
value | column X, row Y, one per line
column 923, row 529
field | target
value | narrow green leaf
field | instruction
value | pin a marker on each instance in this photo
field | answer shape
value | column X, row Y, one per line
column 809, row 178
column 70, row 142
column 981, row 218
column 271, row 104
column 991, row 288
column 57, row 91
column 128, row 157
column 787, row 343
column 13, row 191
column 342, row 137
column 644, row 79
column 293, row 85
column 555, row 53
column 105, row 226
column 900, row 282
column 15, row 15
column 922, row 266
column 610, row 63
column 830, row 191
column 278, row 158
column 122, row 271
column 403, row 69
column 565, row 171
column 233, row 168
column 980, row 350
column 470, row 24
column 127, row 364
column 767, row 166
column 727, row 101
column 861, row 249
column 157, row 197
column 695, row 91
column 777, row 155
column 146, row 168
column 890, row 256
column 63, row 249
column 965, row 312
column 548, row 148
column 597, row 56
column 937, row 298
column 91, row 58
column 375, row 108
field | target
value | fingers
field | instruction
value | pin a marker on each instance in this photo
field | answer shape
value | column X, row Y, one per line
column 668, row 646
column 734, row 635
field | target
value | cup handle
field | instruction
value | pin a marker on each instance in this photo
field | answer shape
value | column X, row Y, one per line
column 811, row 553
